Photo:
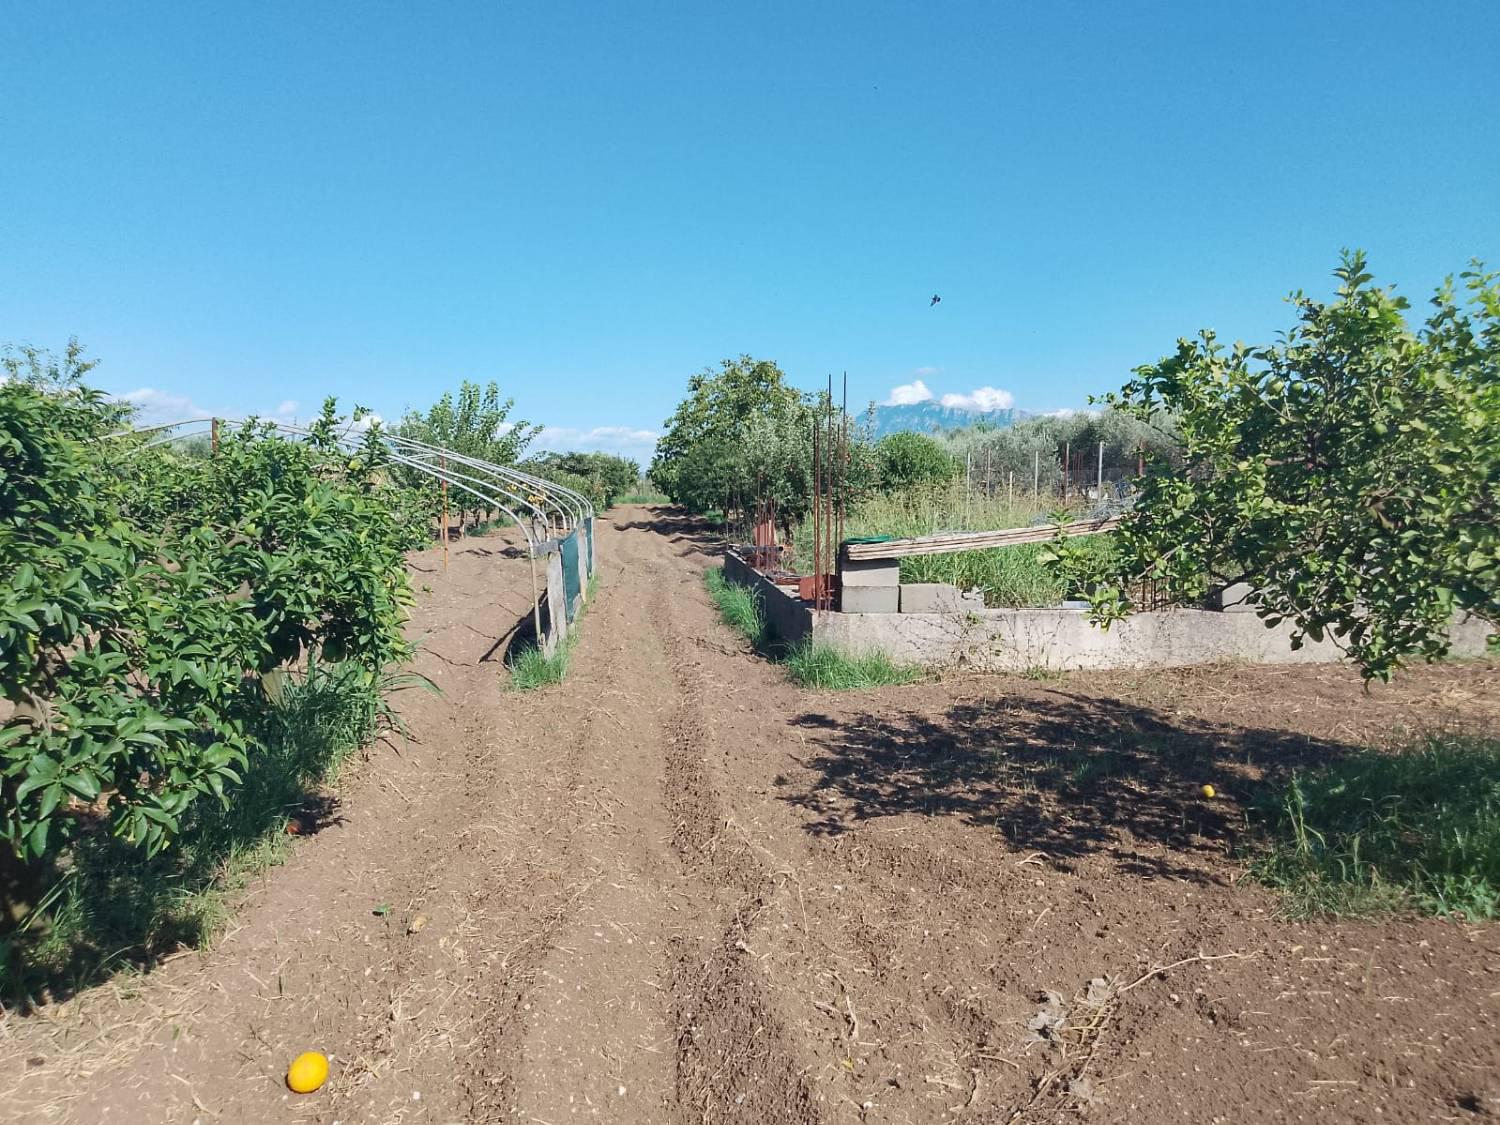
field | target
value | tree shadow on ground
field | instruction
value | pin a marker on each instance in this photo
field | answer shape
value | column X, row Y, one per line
column 1061, row 773
column 680, row 526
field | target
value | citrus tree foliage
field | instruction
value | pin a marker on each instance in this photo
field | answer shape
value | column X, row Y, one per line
column 602, row 477
column 907, row 461
column 144, row 592
column 743, row 434
column 1350, row 473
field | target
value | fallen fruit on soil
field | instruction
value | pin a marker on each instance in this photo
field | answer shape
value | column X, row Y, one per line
column 308, row 1071
column 1209, row 792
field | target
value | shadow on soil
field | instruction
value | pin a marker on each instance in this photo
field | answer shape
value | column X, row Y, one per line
column 680, row 526
column 1063, row 774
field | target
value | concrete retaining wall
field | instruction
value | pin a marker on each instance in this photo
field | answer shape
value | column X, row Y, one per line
column 788, row 616
column 1012, row 640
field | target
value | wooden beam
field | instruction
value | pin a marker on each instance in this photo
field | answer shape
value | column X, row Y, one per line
column 971, row 540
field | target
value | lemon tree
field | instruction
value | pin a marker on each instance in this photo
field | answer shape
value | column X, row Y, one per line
column 1349, row 473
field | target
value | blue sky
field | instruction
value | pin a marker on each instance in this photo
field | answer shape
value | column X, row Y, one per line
column 245, row 207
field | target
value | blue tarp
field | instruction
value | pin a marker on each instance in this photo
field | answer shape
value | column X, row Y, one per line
column 572, row 585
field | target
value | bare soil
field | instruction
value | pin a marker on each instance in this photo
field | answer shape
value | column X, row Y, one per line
column 678, row 889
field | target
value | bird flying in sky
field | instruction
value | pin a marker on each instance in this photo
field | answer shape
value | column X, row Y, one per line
column 935, row 300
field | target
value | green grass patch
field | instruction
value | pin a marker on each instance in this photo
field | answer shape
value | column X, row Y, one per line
column 1418, row 828
column 810, row 665
column 1009, row 577
column 530, row 669
column 821, row 666
column 644, row 498
column 112, row 908
column 739, row 606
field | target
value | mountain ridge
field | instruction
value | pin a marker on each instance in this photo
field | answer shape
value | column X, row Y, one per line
column 931, row 417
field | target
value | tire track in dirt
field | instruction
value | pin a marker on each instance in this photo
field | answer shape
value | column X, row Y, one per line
column 734, row 1059
column 599, row 1038
column 828, row 944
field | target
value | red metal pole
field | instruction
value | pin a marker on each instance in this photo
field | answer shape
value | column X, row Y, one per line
column 816, row 505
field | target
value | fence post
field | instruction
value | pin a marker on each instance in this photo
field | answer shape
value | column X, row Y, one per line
column 1101, row 470
column 1067, row 466
column 1036, row 474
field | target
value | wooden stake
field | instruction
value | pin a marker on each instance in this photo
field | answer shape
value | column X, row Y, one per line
column 536, row 604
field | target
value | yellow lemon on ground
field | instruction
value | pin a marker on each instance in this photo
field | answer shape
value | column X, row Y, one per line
column 1209, row 791
column 308, row 1071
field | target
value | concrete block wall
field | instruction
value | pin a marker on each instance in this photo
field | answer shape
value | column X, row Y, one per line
column 939, row 597
column 789, row 617
column 1014, row 640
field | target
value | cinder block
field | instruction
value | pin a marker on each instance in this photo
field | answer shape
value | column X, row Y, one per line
column 874, row 572
column 871, row 599
column 938, row 597
column 1231, row 599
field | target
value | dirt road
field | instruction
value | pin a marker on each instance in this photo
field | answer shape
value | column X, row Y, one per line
column 678, row 889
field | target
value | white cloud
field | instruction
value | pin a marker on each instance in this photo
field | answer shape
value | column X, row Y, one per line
column 154, row 407
column 910, row 394
column 623, row 441
column 981, row 399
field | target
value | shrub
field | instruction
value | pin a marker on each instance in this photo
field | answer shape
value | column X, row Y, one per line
column 908, row 462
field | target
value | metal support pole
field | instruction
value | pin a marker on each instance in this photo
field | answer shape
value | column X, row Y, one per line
column 817, row 505
column 843, row 460
column 214, row 432
column 1036, row 474
column 443, row 464
column 1067, row 464
column 1101, row 470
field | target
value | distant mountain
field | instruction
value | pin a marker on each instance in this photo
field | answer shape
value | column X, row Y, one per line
column 929, row 417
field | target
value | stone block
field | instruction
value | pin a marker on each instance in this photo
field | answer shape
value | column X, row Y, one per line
column 938, row 597
column 874, row 572
column 1231, row 599
column 871, row 599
